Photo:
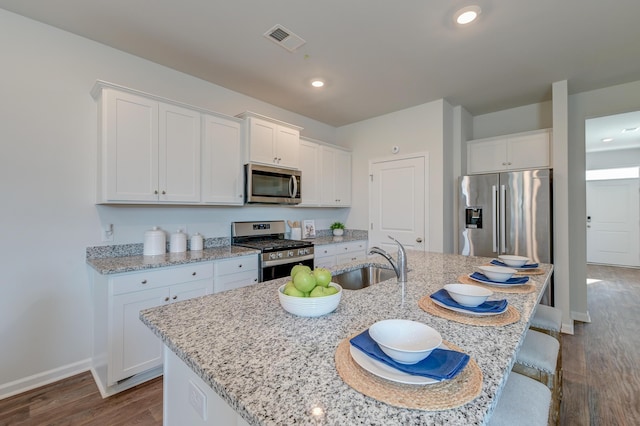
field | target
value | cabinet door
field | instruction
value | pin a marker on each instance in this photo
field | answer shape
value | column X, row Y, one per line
column 288, row 147
column 133, row 347
column 328, row 180
column 222, row 171
column 528, row 151
column 310, row 168
column 179, row 154
column 129, row 148
column 342, row 172
column 487, row 155
column 262, row 141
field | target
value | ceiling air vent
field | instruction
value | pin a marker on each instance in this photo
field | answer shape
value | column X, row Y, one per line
column 285, row 38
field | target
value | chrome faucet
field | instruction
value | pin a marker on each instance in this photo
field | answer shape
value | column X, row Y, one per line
column 400, row 265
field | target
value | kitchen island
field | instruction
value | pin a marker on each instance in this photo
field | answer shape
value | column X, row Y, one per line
column 273, row 368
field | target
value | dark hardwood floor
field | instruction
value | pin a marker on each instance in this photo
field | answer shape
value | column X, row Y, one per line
column 601, row 372
column 600, row 362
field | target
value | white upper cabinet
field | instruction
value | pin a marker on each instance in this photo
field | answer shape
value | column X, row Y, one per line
column 310, row 168
column 271, row 141
column 222, row 171
column 529, row 150
column 336, row 177
column 149, row 150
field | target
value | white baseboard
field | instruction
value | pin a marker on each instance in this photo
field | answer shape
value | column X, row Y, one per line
column 581, row 316
column 567, row 328
column 44, row 378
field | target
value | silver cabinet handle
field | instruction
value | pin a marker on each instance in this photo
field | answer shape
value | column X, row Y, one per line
column 143, row 282
column 166, row 299
column 175, row 297
column 240, row 265
column 418, row 240
column 155, row 192
column 193, row 273
column 164, row 192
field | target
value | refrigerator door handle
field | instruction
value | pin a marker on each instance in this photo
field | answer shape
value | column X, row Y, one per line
column 503, row 219
column 494, row 218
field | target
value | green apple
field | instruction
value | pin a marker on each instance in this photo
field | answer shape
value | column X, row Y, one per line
column 291, row 290
column 299, row 268
column 330, row 290
column 304, row 281
column 323, row 276
column 318, row 291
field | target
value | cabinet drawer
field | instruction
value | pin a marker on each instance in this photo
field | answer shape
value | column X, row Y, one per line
column 236, row 265
column 325, row 250
column 162, row 277
column 352, row 247
column 237, row 280
column 351, row 257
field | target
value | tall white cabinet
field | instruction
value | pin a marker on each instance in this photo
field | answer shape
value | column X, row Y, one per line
column 155, row 151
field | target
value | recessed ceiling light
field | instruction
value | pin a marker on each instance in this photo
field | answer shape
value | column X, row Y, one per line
column 607, row 140
column 467, row 15
column 317, row 83
column 630, row 129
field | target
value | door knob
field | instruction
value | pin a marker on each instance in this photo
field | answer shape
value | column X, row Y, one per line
column 418, row 240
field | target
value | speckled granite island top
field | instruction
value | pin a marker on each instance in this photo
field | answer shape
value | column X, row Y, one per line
column 272, row 367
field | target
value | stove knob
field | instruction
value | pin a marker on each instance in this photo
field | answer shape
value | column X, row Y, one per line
column 280, row 254
column 290, row 254
column 300, row 252
column 272, row 256
column 306, row 251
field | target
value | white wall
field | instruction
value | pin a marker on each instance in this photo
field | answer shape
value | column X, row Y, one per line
column 417, row 129
column 47, row 181
column 613, row 159
column 514, row 120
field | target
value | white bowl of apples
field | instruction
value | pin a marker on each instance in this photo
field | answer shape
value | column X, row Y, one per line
column 309, row 293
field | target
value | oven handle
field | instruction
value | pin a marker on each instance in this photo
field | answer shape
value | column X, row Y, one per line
column 276, row 262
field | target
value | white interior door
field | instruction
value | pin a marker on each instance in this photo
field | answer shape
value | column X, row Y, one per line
column 613, row 222
column 397, row 194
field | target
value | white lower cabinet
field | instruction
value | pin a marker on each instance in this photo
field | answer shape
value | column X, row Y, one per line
column 329, row 255
column 125, row 351
column 235, row 273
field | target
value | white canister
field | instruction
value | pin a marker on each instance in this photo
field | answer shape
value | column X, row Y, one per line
column 178, row 242
column 296, row 233
column 155, row 242
column 197, row 242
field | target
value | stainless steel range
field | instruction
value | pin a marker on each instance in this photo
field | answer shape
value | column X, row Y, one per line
column 279, row 255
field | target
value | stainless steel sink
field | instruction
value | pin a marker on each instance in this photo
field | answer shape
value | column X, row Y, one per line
column 363, row 277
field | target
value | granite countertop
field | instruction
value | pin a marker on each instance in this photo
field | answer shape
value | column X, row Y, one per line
column 116, row 265
column 271, row 366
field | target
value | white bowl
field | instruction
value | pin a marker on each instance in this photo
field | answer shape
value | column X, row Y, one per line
column 406, row 342
column 513, row 261
column 468, row 295
column 497, row 273
column 310, row 306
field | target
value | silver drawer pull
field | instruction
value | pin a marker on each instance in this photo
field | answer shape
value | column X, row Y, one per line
column 175, row 297
column 240, row 265
column 143, row 282
column 166, row 299
column 193, row 273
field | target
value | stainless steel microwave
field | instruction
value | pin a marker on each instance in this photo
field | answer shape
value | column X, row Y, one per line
column 271, row 185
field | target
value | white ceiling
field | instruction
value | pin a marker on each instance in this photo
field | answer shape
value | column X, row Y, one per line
column 376, row 56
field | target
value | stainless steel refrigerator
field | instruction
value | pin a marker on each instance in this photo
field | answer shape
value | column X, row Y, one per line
column 508, row 213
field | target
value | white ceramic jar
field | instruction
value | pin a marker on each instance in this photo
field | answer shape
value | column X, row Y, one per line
column 197, row 242
column 178, row 242
column 155, row 242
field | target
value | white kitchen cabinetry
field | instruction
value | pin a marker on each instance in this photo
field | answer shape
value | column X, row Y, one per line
column 328, row 255
column 149, row 150
column 124, row 348
column 236, row 272
column 222, row 171
column 271, row 141
column 311, row 173
column 529, row 150
column 336, row 177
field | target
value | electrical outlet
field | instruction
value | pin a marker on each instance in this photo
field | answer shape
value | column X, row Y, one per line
column 198, row 400
column 107, row 232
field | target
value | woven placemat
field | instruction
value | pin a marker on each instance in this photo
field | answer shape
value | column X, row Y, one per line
column 522, row 289
column 510, row 316
column 531, row 271
column 445, row 395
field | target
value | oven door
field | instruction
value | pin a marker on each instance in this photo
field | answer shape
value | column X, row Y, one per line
column 280, row 271
column 272, row 185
